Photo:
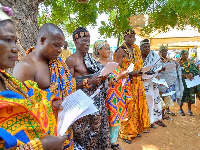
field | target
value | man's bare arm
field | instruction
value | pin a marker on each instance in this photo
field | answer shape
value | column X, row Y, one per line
column 24, row 71
column 119, row 56
column 70, row 61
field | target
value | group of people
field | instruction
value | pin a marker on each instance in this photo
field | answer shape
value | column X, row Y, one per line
column 128, row 104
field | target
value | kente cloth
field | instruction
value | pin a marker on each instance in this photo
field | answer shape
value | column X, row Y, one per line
column 92, row 132
column 136, row 104
column 189, row 93
column 151, row 88
column 62, row 84
column 179, row 88
column 65, row 53
column 61, row 75
column 26, row 113
column 114, row 131
column 115, row 101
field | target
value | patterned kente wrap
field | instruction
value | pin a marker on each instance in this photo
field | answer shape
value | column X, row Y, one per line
column 115, row 101
column 138, row 116
column 24, row 119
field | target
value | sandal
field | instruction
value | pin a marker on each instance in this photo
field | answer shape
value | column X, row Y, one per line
column 153, row 126
column 147, row 131
column 160, row 123
column 127, row 141
column 116, row 147
column 170, row 113
column 139, row 135
column 167, row 118
column 181, row 112
column 190, row 113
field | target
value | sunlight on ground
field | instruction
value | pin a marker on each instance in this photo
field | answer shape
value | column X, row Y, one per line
column 149, row 147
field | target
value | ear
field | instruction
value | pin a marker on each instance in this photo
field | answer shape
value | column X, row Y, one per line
column 42, row 40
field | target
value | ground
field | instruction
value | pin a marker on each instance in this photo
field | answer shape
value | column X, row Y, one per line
column 183, row 133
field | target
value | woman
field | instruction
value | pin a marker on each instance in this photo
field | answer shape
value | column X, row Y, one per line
column 189, row 70
column 115, row 101
column 27, row 120
column 170, row 77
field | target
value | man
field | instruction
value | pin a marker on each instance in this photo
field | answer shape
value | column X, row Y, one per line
column 90, row 132
column 151, row 88
column 138, row 117
column 65, row 51
column 43, row 65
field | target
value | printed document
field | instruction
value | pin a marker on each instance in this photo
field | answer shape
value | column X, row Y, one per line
column 169, row 94
column 75, row 106
column 161, row 81
column 194, row 82
column 110, row 67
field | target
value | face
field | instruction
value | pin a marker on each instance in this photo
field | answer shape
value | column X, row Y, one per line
column 83, row 44
column 164, row 53
column 184, row 56
column 52, row 46
column 145, row 49
column 130, row 39
column 8, row 49
column 65, row 45
column 105, row 51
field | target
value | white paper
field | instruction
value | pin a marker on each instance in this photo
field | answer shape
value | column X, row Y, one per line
column 73, row 106
column 194, row 82
column 130, row 68
column 169, row 94
column 161, row 81
column 169, row 66
column 147, row 68
column 110, row 67
column 123, row 82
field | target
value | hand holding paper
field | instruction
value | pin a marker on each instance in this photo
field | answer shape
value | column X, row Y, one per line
column 110, row 67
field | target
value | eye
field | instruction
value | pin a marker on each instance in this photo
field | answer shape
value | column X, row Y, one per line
column 8, row 40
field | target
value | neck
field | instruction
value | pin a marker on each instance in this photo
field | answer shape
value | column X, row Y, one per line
column 80, row 54
column 128, row 45
column 39, row 55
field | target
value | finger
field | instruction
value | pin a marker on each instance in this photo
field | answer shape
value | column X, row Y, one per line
column 64, row 138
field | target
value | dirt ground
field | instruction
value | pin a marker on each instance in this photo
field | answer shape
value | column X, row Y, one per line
column 183, row 133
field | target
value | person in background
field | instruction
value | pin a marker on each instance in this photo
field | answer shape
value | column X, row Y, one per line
column 65, row 51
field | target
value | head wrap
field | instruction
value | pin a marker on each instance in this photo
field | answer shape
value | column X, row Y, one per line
column 5, row 13
column 162, row 48
column 145, row 41
column 80, row 32
column 183, row 51
column 128, row 31
column 98, row 45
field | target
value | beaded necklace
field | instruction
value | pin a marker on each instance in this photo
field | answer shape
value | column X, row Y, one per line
column 9, row 85
column 188, row 66
column 127, row 50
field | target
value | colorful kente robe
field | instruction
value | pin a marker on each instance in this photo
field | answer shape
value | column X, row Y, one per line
column 151, row 88
column 189, row 93
column 136, row 104
column 62, row 84
column 115, row 103
column 92, row 132
column 25, row 113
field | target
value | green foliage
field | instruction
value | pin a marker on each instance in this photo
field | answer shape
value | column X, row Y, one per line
column 163, row 14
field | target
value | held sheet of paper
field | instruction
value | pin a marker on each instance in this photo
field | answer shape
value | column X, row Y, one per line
column 75, row 106
column 110, row 66
column 194, row 82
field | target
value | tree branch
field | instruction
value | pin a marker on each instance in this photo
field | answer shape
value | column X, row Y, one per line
column 40, row 1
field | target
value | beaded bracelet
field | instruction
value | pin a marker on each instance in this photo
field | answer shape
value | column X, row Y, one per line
column 35, row 144
column 85, row 83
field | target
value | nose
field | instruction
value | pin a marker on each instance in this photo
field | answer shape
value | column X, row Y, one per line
column 15, row 49
column 59, row 50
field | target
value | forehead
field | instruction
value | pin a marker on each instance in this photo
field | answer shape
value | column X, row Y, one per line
column 146, row 45
column 7, row 29
column 185, row 53
column 57, row 37
column 129, row 35
column 83, row 38
column 164, row 50
column 107, row 45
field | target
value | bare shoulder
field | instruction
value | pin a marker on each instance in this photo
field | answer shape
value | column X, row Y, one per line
column 71, row 61
column 25, row 69
column 120, row 51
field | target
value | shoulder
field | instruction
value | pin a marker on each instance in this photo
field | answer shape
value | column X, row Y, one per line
column 71, row 60
column 27, row 62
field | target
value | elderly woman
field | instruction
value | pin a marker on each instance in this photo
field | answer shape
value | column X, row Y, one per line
column 189, row 70
column 27, row 120
column 116, row 96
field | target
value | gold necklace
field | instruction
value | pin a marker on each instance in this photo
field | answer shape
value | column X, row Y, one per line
column 127, row 50
column 188, row 66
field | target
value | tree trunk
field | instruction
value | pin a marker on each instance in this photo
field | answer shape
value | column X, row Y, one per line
column 25, row 19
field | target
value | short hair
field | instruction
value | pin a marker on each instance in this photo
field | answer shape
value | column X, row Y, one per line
column 76, row 34
column 145, row 41
column 49, row 29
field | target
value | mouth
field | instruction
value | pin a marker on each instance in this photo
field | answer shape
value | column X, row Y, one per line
column 14, row 58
